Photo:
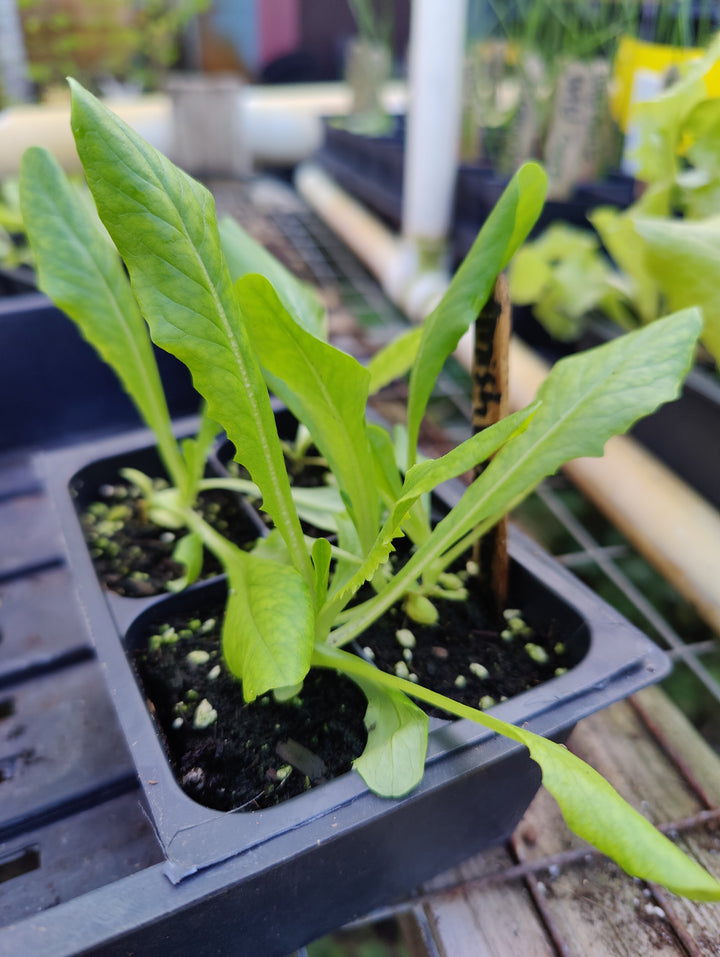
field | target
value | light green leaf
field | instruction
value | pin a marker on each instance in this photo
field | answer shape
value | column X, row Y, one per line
column 683, row 257
column 388, row 478
column 245, row 255
column 81, row 272
column 163, row 224
column 319, row 506
column 699, row 184
column 426, row 476
column 321, row 556
column 10, row 213
column 587, row 398
column 195, row 452
column 393, row 761
column 564, row 275
column 188, row 552
column 503, row 232
column 617, row 233
column 529, row 274
column 268, row 631
column 597, row 813
column 591, row 807
column 387, row 474
column 702, row 129
column 420, row 480
column 394, row 360
column 324, row 388
column 660, row 122
column 272, row 547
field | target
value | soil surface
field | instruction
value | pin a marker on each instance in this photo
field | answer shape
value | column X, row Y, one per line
column 133, row 556
column 254, row 756
column 474, row 656
column 248, row 756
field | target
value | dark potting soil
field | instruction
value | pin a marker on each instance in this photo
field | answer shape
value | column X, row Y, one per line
column 247, row 756
column 133, row 556
column 470, row 654
column 254, row 756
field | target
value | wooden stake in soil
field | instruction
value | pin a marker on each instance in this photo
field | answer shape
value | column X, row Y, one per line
column 489, row 405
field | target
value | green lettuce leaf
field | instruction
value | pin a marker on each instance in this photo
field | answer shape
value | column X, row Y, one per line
column 268, row 632
column 395, row 359
column 163, row 224
column 683, row 258
column 393, row 761
column 325, row 389
column 245, row 255
column 80, row 270
column 590, row 805
column 505, row 229
column 586, row 399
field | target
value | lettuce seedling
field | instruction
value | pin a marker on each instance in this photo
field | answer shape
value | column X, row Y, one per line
column 290, row 604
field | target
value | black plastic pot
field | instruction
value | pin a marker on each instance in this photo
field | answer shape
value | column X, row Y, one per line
column 683, row 434
column 478, row 189
column 265, row 882
column 370, row 168
column 58, row 387
column 17, row 281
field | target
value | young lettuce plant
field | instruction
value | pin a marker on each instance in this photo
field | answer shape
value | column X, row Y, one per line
column 290, row 601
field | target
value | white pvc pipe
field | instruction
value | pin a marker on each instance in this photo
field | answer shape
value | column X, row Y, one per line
column 281, row 124
column 49, row 126
column 390, row 259
column 437, row 45
column 13, row 59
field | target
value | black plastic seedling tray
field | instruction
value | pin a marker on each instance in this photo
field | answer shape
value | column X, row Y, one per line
column 176, row 875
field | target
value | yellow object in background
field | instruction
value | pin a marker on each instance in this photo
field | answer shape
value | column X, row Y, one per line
column 633, row 55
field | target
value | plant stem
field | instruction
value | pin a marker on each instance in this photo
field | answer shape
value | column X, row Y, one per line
column 338, row 660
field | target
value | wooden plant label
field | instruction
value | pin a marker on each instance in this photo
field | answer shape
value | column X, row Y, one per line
column 490, row 404
column 576, row 142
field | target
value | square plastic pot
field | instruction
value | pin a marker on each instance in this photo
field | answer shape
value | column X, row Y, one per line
column 370, row 168
column 265, row 882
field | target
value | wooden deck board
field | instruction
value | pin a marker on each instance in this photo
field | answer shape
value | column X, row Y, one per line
column 463, row 916
column 587, row 907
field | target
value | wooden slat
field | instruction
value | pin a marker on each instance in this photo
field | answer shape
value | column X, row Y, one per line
column 460, row 921
column 680, row 740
